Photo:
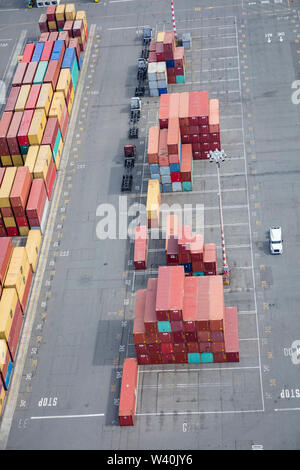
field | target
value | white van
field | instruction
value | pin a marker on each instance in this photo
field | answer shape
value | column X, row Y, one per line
column 275, row 240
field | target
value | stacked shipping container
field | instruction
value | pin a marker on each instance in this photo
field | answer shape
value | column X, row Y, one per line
column 164, row 50
column 181, row 319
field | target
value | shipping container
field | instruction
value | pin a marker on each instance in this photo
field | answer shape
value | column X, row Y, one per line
column 6, row 186
column 21, row 188
column 6, row 249
column 31, row 157
column 214, row 116
column 36, row 201
column 22, row 135
column 15, row 332
column 138, row 325
column 4, row 127
column 57, row 105
column 37, row 127
column 28, row 52
column 140, row 247
column 128, row 392
column 30, row 73
column 170, row 288
column 173, row 136
column 40, row 72
column 164, row 111
column 45, row 97
column 52, row 73
column 19, row 74
column 231, row 334
column 8, row 304
column 51, row 132
column 153, row 141
column 150, row 320
column 12, row 99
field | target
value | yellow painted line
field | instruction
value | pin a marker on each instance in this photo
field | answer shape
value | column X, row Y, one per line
column 253, row 157
column 256, row 205
column 253, row 172
column 266, row 306
column 270, row 355
column 267, row 329
column 258, row 222
column 262, row 267
column 259, row 244
column 39, row 274
column 255, row 188
column 264, row 283
column 272, row 382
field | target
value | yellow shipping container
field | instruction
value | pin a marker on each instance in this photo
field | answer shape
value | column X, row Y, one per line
column 8, row 303
column 23, row 231
column 42, row 162
column 31, row 157
column 52, row 25
column 160, row 36
column 81, row 15
column 45, row 97
column 37, row 127
column 70, row 12
column 153, row 199
column 17, row 160
column 6, row 160
column 3, row 353
column 2, row 399
column 9, row 222
column 60, row 12
column 58, row 154
column 64, row 81
column 32, row 247
column 71, row 100
column 57, row 105
column 18, row 270
column 22, row 97
column 6, row 186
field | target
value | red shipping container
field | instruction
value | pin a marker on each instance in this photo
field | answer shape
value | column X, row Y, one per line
column 190, row 336
column 219, row 357
column 50, row 132
column 28, row 52
column 50, row 13
column 50, row 178
column 19, row 212
column 176, row 325
column 162, row 316
column 14, row 334
column 30, row 73
column 164, row 110
column 196, row 249
column 64, row 122
column 204, row 336
column 63, row 36
column 216, row 303
column 43, row 25
column 44, row 37
column 215, row 146
column 204, row 107
column 172, row 252
column 171, row 78
column 186, row 139
column 171, row 73
column 152, row 57
column 231, row 334
column 185, row 238
column 19, row 74
column 153, row 348
column 169, row 42
column 151, row 337
column 21, row 221
column 204, row 129
column 186, row 166
column 12, row 231
column 7, row 212
column 6, row 249
column 217, row 335
column 141, row 348
column 143, row 359
column 166, row 337
column 193, row 347
column 205, row 347
column 21, row 187
column 184, row 258
column 210, row 259
column 180, row 347
column 153, row 144
column 3, row 232
column 4, row 127
column 150, row 320
column 77, row 28
column 68, row 27
column 175, row 315
column 167, row 348
column 37, row 200
column 202, row 317
column 168, row 358
column 33, row 96
column 204, row 138
column 179, row 59
column 52, row 73
column 53, row 36
column 11, row 137
column 24, row 127
column 12, row 98
column 163, row 143
column 152, row 46
column 218, row 346
column 173, row 141
column 175, row 176
column 47, row 51
column 181, row 358
column 128, row 392
column 178, row 337
column 155, row 358
column 140, row 247
column 214, row 116
column 138, row 324
column 60, row 25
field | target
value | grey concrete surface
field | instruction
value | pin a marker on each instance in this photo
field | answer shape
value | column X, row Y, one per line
column 66, row 394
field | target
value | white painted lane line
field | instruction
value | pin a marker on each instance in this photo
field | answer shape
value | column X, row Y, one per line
column 286, row 409
column 211, row 70
column 215, row 48
column 95, row 415
column 124, row 27
column 172, row 413
column 199, row 369
column 205, row 27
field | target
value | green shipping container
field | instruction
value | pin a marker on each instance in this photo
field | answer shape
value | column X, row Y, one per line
column 187, row 186
column 194, row 358
column 40, row 72
column 74, row 74
column 207, row 357
column 164, row 326
column 56, row 145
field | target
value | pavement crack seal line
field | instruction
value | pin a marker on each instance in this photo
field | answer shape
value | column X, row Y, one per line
column 11, row 402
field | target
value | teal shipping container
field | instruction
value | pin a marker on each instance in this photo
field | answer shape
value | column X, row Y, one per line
column 74, row 74
column 194, row 358
column 164, row 326
column 40, row 72
column 24, row 149
column 180, row 78
column 198, row 274
column 56, row 145
column 207, row 357
column 187, row 186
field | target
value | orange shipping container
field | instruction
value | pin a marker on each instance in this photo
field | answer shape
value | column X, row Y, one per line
column 164, row 110
column 21, row 187
column 174, row 105
column 184, row 109
column 173, row 135
column 128, row 392
column 153, row 142
column 214, row 116
column 216, row 303
column 163, row 142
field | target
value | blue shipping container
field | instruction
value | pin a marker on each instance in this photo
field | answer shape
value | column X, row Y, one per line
column 8, row 375
column 154, row 168
column 69, row 58
column 36, row 56
column 174, row 167
column 162, row 91
column 187, row 267
column 194, row 358
column 170, row 64
column 155, row 177
column 166, row 179
column 164, row 170
column 176, row 186
column 167, row 188
column 187, row 186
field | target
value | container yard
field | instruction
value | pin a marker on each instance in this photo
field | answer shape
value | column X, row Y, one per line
column 129, row 260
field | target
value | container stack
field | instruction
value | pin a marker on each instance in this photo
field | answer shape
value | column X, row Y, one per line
column 181, row 319
column 184, row 248
column 157, row 78
column 17, row 265
column 140, row 247
column 34, row 122
column 153, row 204
column 164, row 50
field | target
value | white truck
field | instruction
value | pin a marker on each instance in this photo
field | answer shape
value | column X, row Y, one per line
column 275, row 240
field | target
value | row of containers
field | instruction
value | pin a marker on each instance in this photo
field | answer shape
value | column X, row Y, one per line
column 189, row 128
column 166, row 64
column 17, row 265
column 33, row 129
column 182, row 247
column 180, row 319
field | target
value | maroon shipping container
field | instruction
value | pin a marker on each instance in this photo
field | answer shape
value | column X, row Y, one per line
column 60, row 25
column 52, row 73
column 164, row 110
column 153, row 348
column 11, row 137
column 168, row 358
column 210, row 259
column 50, row 178
column 205, row 347
column 141, row 348
column 63, row 36
column 64, row 122
column 6, row 249
column 44, row 37
column 47, row 51
column 181, row 358
column 217, row 335
column 77, row 28
column 19, row 74
column 12, row 98
column 155, row 358
column 50, row 132
column 167, row 348
column 219, row 356
column 204, row 336
column 74, row 44
column 30, row 73
column 151, row 337
column 33, row 97
column 143, row 359
column 128, row 392
column 204, row 129
column 150, row 320
column 176, row 326
column 192, row 347
column 21, row 187
column 50, row 13
column 138, row 324
column 21, row 221
column 43, row 25
column 28, row 52
column 180, row 347
column 190, row 336
column 218, row 346
column 178, row 337
column 166, row 337
column 231, row 334
column 196, row 248
column 6, row 212
column 172, row 252
column 202, row 316
column 4, row 127
column 36, row 201
column 26, row 292
column 68, row 27
column 12, row 231
column 14, row 334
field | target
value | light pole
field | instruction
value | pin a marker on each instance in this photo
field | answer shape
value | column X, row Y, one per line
column 173, row 19
column 218, row 157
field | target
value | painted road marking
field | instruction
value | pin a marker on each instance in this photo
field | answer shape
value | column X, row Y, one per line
column 94, row 415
